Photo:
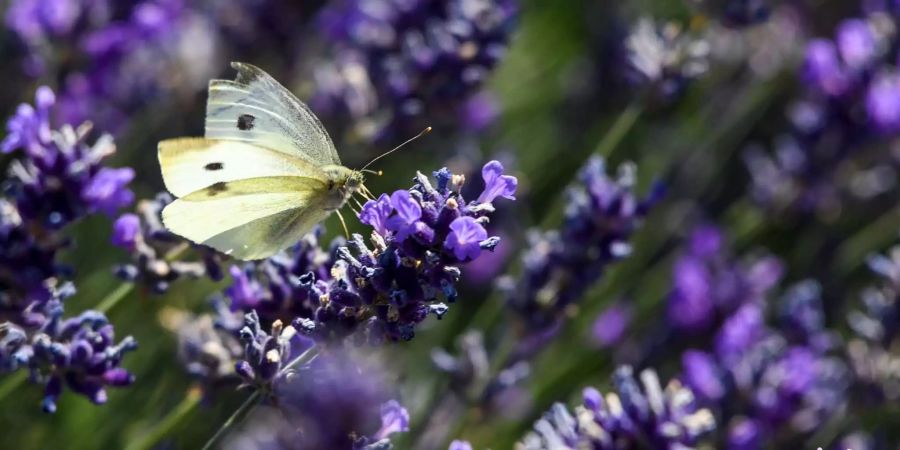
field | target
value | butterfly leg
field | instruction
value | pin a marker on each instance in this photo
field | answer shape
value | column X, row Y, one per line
column 343, row 223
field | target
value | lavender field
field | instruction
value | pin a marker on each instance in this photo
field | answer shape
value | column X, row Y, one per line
column 658, row 224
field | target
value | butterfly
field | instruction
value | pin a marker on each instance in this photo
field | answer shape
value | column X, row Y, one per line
column 265, row 173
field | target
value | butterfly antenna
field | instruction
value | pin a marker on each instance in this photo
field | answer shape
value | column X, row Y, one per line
column 343, row 223
column 373, row 172
column 422, row 133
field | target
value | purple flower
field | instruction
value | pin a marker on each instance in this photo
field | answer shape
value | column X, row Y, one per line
column 154, row 250
column 77, row 352
column 883, row 102
column 334, row 402
column 480, row 111
column 690, row 304
column 465, row 238
column 856, row 43
column 397, row 62
column 126, row 230
column 740, row 332
column 703, row 375
column 602, row 212
column 609, row 327
column 394, row 419
column 375, row 213
column 29, row 128
column 745, row 435
column 637, row 415
column 375, row 291
column 823, row 67
column 107, row 192
column 459, row 445
column 408, row 214
column 496, row 184
column 245, row 292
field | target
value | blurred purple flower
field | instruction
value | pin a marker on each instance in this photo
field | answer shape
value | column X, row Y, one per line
column 394, row 419
column 156, row 253
column 397, row 62
column 664, row 58
column 29, row 128
column 107, row 189
column 602, row 212
column 702, row 374
column 126, row 230
column 480, row 111
column 883, row 102
column 610, row 326
column 338, row 401
column 637, row 415
column 459, row 445
column 744, row 435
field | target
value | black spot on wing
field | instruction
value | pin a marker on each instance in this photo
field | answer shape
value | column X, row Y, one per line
column 217, row 188
column 214, row 166
column 245, row 122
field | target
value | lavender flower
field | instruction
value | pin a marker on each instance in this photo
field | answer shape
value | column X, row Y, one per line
column 748, row 365
column 399, row 61
column 460, row 445
column 708, row 285
column 610, row 325
column 79, row 352
column 601, row 214
column 267, row 354
column 156, row 252
column 876, row 324
column 848, row 107
column 208, row 352
column 61, row 177
column 113, row 57
column 639, row 414
column 420, row 236
column 664, row 58
column 335, row 402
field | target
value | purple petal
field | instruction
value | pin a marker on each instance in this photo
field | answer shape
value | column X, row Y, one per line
column 125, row 231
column 375, row 213
column 465, row 237
column 496, row 184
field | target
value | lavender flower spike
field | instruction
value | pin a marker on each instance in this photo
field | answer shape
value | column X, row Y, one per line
column 637, row 415
column 382, row 289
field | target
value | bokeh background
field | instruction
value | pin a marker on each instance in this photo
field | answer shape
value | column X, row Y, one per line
column 762, row 135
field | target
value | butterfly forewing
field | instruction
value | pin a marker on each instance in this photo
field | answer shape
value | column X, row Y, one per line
column 191, row 164
column 249, row 218
column 257, row 109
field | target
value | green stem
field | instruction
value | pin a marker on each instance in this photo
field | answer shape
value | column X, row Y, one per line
column 165, row 426
column 620, row 128
column 113, row 298
column 234, row 418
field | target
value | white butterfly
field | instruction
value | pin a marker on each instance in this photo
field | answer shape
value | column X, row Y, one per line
column 263, row 176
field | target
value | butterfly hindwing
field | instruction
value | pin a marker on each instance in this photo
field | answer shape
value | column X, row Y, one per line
column 191, row 164
column 250, row 218
column 256, row 109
